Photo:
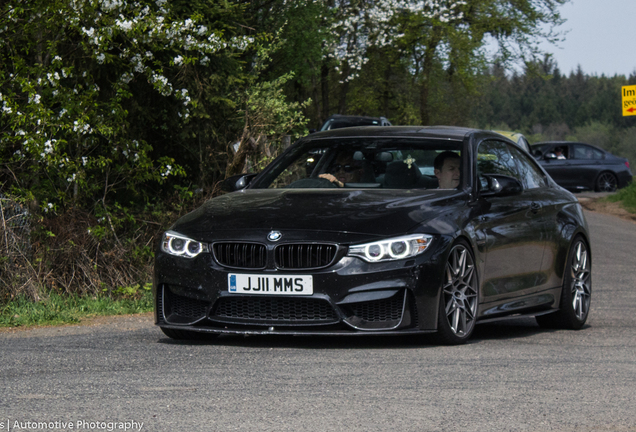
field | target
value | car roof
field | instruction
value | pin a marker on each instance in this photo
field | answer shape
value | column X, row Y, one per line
column 438, row 132
column 346, row 116
column 562, row 143
column 515, row 136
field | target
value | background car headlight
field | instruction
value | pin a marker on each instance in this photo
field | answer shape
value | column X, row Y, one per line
column 178, row 245
column 392, row 249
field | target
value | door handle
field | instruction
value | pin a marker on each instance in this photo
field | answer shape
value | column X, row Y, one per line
column 535, row 207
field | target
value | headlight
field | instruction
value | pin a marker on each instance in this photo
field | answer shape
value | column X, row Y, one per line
column 392, row 249
column 178, row 245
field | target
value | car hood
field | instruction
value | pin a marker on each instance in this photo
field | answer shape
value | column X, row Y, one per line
column 354, row 214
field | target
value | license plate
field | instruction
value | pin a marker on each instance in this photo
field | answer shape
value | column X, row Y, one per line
column 270, row 285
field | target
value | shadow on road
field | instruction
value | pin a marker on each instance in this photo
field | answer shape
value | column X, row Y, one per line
column 505, row 329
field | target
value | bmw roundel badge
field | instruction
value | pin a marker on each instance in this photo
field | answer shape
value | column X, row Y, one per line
column 274, row 236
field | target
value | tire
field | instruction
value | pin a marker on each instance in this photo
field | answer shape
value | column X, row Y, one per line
column 606, row 182
column 459, row 298
column 576, row 293
column 187, row 335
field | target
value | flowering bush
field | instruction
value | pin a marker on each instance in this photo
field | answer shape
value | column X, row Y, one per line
column 74, row 74
column 94, row 95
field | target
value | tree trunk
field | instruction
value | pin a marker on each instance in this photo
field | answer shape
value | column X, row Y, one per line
column 427, row 68
column 344, row 89
column 386, row 93
column 246, row 145
column 342, row 105
column 324, row 85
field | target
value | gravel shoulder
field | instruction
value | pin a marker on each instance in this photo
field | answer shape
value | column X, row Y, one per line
column 592, row 202
column 121, row 322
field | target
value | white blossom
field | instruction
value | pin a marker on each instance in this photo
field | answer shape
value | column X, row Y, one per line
column 183, row 94
column 48, row 148
column 109, row 5
column 126, row 77
column 167, row 172
column 125, row 25
column 81, row 127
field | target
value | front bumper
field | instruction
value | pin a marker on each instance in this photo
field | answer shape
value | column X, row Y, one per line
column 349, row 297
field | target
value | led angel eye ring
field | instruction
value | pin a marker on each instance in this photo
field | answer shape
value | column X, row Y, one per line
column 379, row 256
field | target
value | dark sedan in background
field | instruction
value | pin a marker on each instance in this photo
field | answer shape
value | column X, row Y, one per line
column 580, row 166
column 379, row 230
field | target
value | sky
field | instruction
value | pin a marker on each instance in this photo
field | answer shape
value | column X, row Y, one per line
column 600, row 37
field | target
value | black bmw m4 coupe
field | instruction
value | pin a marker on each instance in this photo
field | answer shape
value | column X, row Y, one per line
column 379, row 230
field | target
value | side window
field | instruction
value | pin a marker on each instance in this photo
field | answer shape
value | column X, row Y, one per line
column 494, row 157
column 531, row 175
column 586, row 152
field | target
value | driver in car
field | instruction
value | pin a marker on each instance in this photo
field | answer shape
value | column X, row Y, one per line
column 344, row 170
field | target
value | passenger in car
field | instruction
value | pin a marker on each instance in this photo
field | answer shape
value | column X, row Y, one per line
column 447, row 169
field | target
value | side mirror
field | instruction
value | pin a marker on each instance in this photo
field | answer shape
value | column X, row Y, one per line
column 495, row 185
column 236, row 182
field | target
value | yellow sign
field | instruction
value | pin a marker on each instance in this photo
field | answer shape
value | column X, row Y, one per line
column 629, row 100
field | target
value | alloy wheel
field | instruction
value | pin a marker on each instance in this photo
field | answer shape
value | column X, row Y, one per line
column 460, row 291
column 606, row 182
column 580, row 281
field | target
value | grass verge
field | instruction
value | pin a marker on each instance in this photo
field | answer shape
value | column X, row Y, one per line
column 626, row 197
column 68, row 309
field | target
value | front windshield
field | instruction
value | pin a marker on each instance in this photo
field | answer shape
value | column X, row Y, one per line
column 367, row 163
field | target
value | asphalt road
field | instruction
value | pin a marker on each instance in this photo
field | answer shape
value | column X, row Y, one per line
column 512, row 376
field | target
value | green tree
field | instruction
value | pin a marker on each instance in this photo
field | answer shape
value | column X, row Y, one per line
column 453, row 43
